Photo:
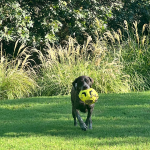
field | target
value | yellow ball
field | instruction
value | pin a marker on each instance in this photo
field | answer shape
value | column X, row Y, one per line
column 88, row 96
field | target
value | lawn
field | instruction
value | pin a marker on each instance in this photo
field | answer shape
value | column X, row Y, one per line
column 120, row 122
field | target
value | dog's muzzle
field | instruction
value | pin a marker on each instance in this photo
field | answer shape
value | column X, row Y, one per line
column 85, row 86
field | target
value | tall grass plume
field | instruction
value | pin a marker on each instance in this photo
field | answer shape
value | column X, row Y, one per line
column 16, row 75
column 60, row 66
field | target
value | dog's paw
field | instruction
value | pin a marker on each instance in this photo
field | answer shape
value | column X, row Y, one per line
column 75, row 123
column 88, row 123
column 90, row 126
column 83, row 126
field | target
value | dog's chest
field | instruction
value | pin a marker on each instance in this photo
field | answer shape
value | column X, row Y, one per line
column 81, row 106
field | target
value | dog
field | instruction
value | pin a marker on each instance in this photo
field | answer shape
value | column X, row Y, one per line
column 81, row 83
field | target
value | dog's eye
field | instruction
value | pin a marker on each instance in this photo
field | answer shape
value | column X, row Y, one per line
column 85, row 80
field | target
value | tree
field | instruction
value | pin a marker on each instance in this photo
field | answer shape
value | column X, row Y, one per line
column 15, row 22
column 132, row 10
column 38, row 21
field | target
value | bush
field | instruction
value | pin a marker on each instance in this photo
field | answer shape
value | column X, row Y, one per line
column 15, row 22
column 134, row 54
column 116, row 64
column 16, row 76
column 37, row 21
column 131, row 10
column 60, row 66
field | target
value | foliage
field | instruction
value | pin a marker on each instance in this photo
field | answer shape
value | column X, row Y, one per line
column 116, row 64
column 16, row 76
column 14, row 22
column 37, row 22
column 134, row 54
column 52, row 21
column 61, row 66
column 131, row 10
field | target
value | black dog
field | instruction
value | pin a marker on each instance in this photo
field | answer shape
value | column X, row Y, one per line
column 81, row 83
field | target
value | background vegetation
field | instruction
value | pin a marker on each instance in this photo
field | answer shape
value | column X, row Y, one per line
column 46, row 44
column 40, row 21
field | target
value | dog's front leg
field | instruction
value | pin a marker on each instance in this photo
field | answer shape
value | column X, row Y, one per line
column 81, row 122
column 89, row 120
column 74, row 116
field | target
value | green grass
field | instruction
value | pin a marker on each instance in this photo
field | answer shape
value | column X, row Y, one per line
column 120, row 122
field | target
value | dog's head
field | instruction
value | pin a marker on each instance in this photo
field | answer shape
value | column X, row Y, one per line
column 82, row 83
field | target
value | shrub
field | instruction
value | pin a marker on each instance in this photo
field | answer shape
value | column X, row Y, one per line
column 60, row 66
column 39, row 21
column 16, row 76
column 130, row 10
column 134, row 54
column 15, row 22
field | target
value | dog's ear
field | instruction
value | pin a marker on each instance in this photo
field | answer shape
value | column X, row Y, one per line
column 91, row 80
column 74, row 83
